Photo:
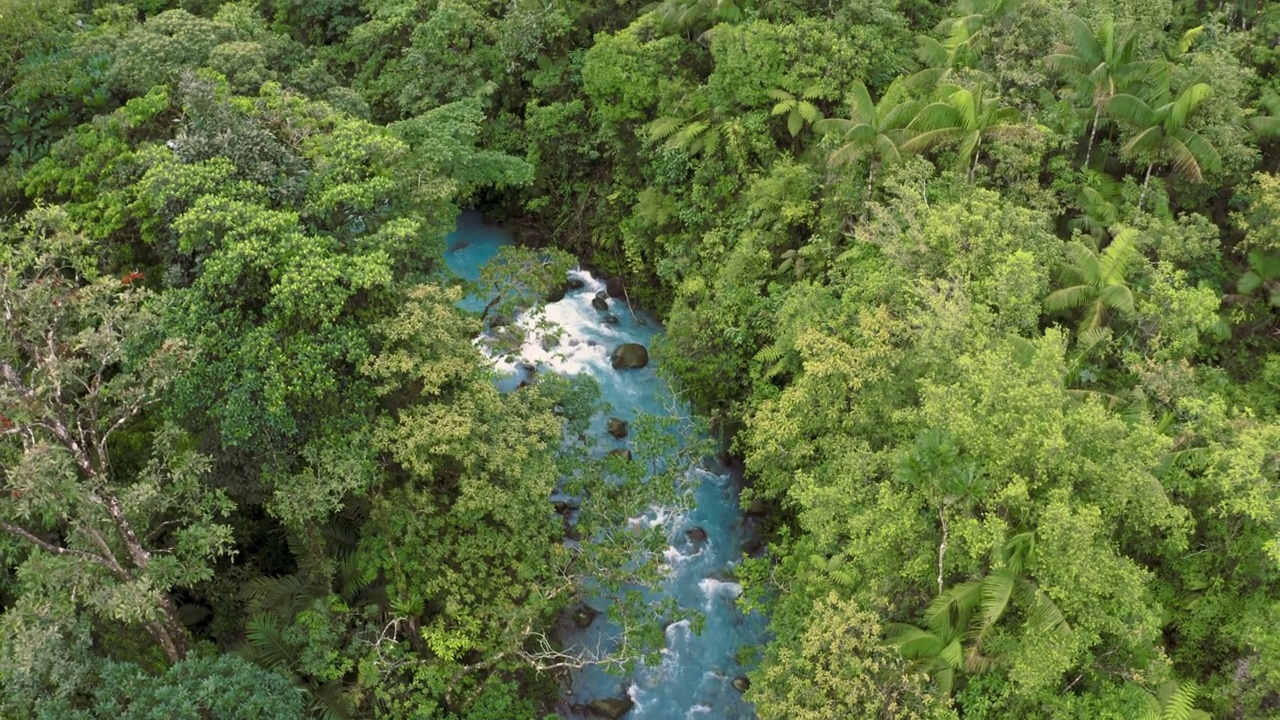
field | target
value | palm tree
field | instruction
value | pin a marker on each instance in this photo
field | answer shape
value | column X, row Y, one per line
column 965, row 40
column 963, row 116
column 799, row 110
column 1264, row 273
column 684, row 14
column 1098, row 203
column 1162, row 133
column 942, row 58
column 1100, row 65
column 1174, row 701
column 960, row 619
column 873, row 130
column 1096, row 281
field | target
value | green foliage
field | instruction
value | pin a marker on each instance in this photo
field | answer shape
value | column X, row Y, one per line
column 223, row 269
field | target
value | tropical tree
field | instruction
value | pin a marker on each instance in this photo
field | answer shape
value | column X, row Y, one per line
column 702, row 130
column 872, row 130
column 960, row 619
column 1096, row 281
column 1098, row 203
column 799, row 110
column 685, row 14
column 1100, row 65
column 961, row 116
column 1162, row 133
column 942, row 58
column 80, row 362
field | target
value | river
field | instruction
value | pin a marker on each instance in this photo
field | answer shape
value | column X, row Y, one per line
column 695, row 678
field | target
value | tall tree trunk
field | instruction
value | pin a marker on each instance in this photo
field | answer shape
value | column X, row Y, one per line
column 169, row 631
column 1093, row 134
column 1147, row 179
column 942, row 547
column 977, row 155
column 866, row 199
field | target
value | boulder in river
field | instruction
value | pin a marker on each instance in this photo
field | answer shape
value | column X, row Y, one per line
column 612, row 708
column 576, row 283
column 696, row 534
column 584, row 616
column 600, row 303
column 628, row 356
column 617, row 427
column 614, row 287
column 564, row 503
column 610, row 319
column 557, row 293
column 742, row 684
column 623, row 453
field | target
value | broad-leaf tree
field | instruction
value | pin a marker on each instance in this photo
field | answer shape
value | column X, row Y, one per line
column 80, row 363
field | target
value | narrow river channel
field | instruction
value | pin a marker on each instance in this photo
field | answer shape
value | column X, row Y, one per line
column 697, row 674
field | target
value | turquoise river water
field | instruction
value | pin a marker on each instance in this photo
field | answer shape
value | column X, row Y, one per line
column 695, row 678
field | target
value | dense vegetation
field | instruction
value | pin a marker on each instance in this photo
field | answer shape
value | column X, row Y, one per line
column 984, row 294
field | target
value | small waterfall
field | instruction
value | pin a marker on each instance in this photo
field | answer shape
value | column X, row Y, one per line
column 695, row 676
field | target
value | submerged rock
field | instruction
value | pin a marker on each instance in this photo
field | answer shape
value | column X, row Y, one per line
column 610, row 319
column 612, row 708
column 696, row 534
column 584, row 616
column 617, row 427
column 564, row 503
column 741, row 684
column 599, row 303
column 614, row 287
column 629, row 356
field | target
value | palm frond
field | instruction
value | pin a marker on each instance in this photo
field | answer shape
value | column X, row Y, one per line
column 1187, row 102
column 809, row 112
column 935, row 116
column 951, row 611
column 833, row 125
column 265, row 643
column 1129, row 108
column 662, row 127
column 1067, row 298
column 997, row 590
column 1118, row 298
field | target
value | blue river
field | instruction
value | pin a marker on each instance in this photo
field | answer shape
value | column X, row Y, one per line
column 695, row 678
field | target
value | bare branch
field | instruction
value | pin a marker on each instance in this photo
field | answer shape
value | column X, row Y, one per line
column 55, row 549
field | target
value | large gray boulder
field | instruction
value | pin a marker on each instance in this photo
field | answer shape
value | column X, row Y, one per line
column 612, row 708
column 614, row 287
column 628, row 356
column 617, row 427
